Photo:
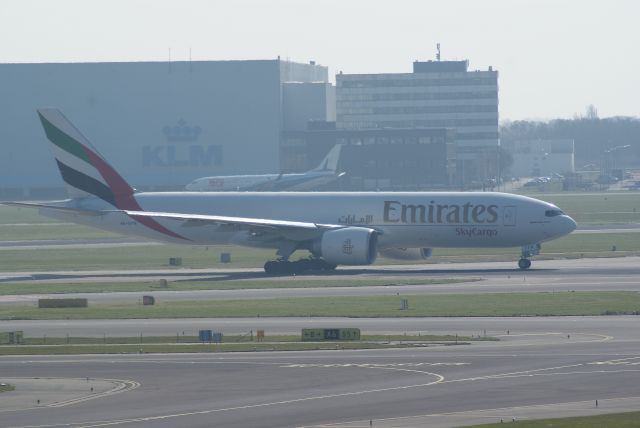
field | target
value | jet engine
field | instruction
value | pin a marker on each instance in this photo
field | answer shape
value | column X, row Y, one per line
column 348, row 246
column 406, row 253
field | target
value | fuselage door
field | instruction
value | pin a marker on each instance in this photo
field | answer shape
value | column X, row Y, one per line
column 509, row 215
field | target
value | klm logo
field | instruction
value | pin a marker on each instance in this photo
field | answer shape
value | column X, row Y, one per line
column 180, row 156
column 174, row 155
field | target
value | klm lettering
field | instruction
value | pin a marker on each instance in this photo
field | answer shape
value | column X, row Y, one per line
column 432, row 213
column 181, row 156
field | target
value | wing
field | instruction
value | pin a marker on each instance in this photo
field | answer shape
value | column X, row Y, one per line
column 294, row 230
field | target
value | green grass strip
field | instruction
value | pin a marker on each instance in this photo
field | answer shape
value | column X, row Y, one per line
column 494, row 304
column 617, row 420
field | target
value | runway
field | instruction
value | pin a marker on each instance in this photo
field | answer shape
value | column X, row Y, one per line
column 527, row 375
column 546, row 276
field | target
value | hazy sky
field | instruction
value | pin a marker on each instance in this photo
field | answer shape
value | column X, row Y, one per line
column 555, row 57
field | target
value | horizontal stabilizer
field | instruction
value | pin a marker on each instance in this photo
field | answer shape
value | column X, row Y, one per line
column 80, row 211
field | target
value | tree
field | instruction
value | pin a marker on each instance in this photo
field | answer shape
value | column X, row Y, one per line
column 592, row 112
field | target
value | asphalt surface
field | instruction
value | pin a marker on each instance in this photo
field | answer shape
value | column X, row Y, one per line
column 534, row 372
column 547, row 366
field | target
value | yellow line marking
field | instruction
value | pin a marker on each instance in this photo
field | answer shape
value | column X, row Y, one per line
column 91, row 424
column 121, row 386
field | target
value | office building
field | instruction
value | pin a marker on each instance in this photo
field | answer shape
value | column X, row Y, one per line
column 437, row 94
column 376, row 159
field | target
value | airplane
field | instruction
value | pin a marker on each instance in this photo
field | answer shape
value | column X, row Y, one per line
column 337, row 228
column 324, row 173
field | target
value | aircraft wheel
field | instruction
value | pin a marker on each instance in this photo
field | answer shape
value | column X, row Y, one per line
column 329, row 266
column 524, row 263
column 271, row 267
column 281, row 267
column 303, row 265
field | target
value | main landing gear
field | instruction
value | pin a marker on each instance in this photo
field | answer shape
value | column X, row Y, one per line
column 285, row 267
column 524, row 263
column 528, row 251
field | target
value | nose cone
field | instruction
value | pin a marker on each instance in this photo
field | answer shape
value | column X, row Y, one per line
column 569, row 224
column 192, row 187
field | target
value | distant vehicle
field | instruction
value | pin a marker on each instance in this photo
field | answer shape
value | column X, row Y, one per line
column 324, row 173
column 606, row 179
column 633, row 186
column 337, row 228
column 537, row 181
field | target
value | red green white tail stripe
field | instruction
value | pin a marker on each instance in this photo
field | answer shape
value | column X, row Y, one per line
column 86, row 173
column 76, row 159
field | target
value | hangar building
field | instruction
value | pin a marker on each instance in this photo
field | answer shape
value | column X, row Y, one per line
column 160, row 124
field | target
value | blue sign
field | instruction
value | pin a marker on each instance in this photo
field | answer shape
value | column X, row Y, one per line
column 204, row 335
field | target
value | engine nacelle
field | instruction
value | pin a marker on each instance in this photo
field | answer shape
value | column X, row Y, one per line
column 349, row 246
column 406, row 253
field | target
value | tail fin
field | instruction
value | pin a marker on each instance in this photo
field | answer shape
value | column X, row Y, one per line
column 84, row 171
column 330, row 161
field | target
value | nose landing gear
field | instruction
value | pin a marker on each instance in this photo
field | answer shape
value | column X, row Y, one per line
column 527, row 252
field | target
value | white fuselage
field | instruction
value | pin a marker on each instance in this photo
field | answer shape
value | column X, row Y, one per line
column 407, row 220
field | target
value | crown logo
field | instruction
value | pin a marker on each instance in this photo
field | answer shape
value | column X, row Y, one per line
column 182, row 132
column 347, row 247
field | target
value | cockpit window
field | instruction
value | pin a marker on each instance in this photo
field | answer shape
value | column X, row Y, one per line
column 553, row 213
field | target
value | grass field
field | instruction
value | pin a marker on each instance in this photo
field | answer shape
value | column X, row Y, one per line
column 478, row 305
column 617, row 420
column 603, row 208
column 15, row 215
column 157, row 256
column 285, row 282
column 51, row 231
